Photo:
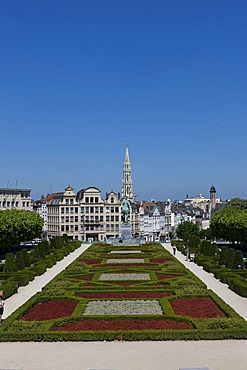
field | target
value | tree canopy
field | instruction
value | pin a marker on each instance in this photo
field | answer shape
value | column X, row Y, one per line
column 185, row 229
column 237, row 203
column 19, row 226
column 230, row 224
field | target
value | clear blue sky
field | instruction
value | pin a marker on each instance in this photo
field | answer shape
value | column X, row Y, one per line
column 80, row 79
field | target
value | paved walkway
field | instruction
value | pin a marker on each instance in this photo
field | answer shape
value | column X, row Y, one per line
column 239, row 304
column 215, row 355
column 26, row 292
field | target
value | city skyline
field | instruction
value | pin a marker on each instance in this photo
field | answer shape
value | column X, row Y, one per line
column 79, row 81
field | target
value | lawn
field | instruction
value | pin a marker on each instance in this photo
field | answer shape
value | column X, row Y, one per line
column 124, row 293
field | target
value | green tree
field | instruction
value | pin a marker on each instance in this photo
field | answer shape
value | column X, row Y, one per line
column 25, row 257
column 19, row 261
column 238, row 260
column 223, row 254
column 18, row 226
column 188, row 228
column 230, row 258
column 237, row 203
column 230, row 224
column 10, row 263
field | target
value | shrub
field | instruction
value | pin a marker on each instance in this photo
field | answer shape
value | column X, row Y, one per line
column 223, row 254
column 19, row 261
column 25, row 257
column 238, row 262
column 41, row 250
column 46, row 245
column 39, row 268
column 10, row 263
column 230, row 258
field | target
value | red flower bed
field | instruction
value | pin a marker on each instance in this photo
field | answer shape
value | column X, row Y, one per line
column 125, row 325
column 196, row 307
column 91, row 262
column 165, row 276
column 85, row 278
column 125, row 295
column 50, row 310
column 159, row 260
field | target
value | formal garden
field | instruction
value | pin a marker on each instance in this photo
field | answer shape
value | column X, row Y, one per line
column 130, row 293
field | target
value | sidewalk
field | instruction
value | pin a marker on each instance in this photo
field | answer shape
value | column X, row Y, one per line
column 26, row 292
column 239, row 304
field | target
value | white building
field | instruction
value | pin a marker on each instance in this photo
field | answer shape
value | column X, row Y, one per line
column 15, row 198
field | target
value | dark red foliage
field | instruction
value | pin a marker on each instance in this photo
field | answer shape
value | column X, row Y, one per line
column 159, row 260
column 196, row 307
column 91, row 262
column 125, row 325
column 85, row 278
column 125, row 295
column 165, row 276
column 50, row 310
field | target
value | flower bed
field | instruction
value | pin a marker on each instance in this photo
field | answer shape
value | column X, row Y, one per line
column 165, row 276
column 91, row 262
column 196, row 307
column 50, row 310
column 159, row 260
column 123, row 307
column 125, row 260
column 85, row 278
column 125, row 325
column 130, row 276
column 125, row 252
column 147, row 295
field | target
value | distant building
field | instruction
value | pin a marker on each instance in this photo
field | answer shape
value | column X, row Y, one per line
column 15, row 199
column 84, row 216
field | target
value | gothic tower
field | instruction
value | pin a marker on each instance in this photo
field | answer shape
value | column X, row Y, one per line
column 212, row 198
column 127, row 190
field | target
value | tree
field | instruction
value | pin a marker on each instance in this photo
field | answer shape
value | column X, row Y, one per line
column 238, row 260
column 19, row 226
column 230, row 224
column 25, row 257
column 19, row 261
column 230, row 258
column 10, row 263
column 223, row 254
column 186, row 227
column 237, row 203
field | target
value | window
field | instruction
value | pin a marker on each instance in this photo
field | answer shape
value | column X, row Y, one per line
column 67, row 210
column 96, row 199
column 82, row 209
column 16, row 204
column 112, row 218
column 87, row 199
column 62, row 210
column 66, row 201
column 76, row 228
column 101, row 209
column 71, row 201
column 67, row 218
column 76, row 218
column 91, row 209
column 91, row 199
column 117, row 218
column 76, row 209
column 62, row 228
column 116, row 209
column 112, row 200
column 23, row 204
column 62, row 219
column 107, row 218
column 87, row 209
column 112, row 209
column 96, row 209
column 71, row 218
column 71, row 210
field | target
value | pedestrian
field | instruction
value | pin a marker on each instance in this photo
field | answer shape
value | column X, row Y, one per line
column 1, row 307
column 174, row 250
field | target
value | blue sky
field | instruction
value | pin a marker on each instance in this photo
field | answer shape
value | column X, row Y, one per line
column 80, row 79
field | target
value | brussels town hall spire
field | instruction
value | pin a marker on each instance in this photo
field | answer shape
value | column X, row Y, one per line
column 127, row 190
